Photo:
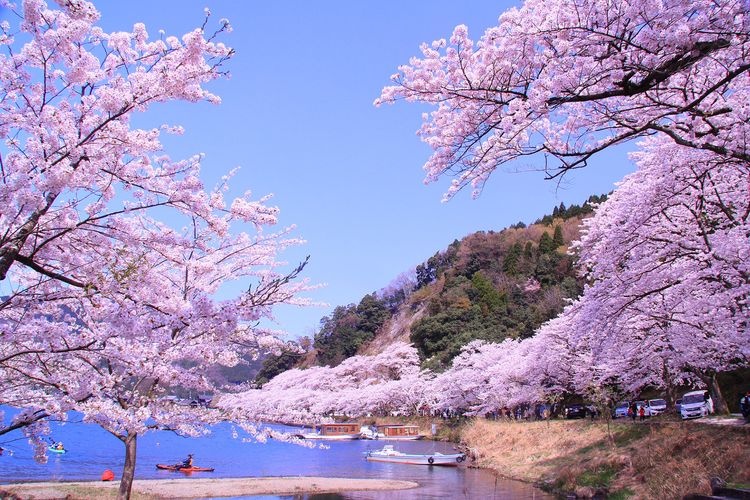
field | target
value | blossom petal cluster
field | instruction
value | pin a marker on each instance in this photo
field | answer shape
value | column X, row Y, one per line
column 388, row 381
column 569, row 80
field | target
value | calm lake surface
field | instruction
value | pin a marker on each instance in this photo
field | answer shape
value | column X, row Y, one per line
column 91, row 450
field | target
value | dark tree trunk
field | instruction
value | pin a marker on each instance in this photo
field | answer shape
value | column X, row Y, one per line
column 128, row 472
column 10, row 250
column 720, row 404
column 669, row 388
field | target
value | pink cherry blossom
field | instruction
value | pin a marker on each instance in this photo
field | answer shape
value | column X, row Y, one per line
column 113, row 251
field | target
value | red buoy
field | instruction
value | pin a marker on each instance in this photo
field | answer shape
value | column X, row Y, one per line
column 108, row 475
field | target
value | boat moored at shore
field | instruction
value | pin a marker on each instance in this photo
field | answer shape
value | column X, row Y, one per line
column 389, row 454
column 343, row 431
column 392, row 432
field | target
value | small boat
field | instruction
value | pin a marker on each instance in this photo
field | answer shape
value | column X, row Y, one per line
column 392, row 432
column 369, row 432
column 336, row 432
column 181, row 468
column 54, row 449
column 388, row 454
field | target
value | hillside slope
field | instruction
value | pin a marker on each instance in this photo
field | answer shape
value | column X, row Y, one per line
column 662, row 458
column 489, row 285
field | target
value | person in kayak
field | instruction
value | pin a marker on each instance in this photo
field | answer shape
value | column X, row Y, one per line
column 188, row 462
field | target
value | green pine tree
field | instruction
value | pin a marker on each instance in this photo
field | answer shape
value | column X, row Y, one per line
column 557, row 239
column 546, row 245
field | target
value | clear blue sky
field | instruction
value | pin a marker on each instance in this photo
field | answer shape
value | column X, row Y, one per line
column 297, row 116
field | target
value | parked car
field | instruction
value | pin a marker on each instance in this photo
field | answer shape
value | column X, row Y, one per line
column 656, row 407
column 621, row 410
column 575, row 411
column 696, row 404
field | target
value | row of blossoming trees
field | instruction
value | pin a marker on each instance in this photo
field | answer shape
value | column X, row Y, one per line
column 666, row 257
column 111, row 252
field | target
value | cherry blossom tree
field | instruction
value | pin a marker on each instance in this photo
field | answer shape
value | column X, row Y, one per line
column 668, row 258
column 113, row 252
column 487, row 377
column 388, row 381
column 470, row 385
column 667, row 302
column 570, row 79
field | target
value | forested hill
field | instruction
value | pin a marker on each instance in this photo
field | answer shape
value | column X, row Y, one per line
column 488, row 285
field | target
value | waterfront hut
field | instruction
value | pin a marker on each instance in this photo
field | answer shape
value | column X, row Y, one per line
column 399, row 432
column 335, row 431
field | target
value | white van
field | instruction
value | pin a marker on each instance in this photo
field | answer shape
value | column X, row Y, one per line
column 696, row 404
column 656, row 407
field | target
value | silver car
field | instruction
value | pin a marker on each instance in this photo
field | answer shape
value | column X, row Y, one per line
column 621, row 410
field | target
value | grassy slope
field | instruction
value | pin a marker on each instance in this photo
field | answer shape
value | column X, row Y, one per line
column 660, row 459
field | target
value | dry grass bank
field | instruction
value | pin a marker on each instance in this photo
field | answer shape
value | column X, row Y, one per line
column 658, row 459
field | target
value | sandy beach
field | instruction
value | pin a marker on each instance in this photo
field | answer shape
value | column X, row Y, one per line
column 200, row 488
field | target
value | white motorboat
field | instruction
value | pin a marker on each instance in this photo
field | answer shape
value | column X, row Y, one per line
column 389, row 454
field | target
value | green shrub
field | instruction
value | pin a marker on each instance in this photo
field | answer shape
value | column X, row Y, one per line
column 601, row 477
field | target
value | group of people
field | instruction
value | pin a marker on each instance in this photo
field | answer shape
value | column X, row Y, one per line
column 55, row 445
column 635, row 411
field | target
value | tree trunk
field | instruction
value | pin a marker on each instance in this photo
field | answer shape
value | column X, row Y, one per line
column 720, row 404
column 669, row 388
column 128, row 472
column 9, row 251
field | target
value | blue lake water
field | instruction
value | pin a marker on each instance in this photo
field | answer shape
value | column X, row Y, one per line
column 91, row 450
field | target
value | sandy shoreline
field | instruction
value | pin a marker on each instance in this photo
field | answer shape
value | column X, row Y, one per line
column 201, row 488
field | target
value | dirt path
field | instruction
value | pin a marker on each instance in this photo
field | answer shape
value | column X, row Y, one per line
column 734, row 419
